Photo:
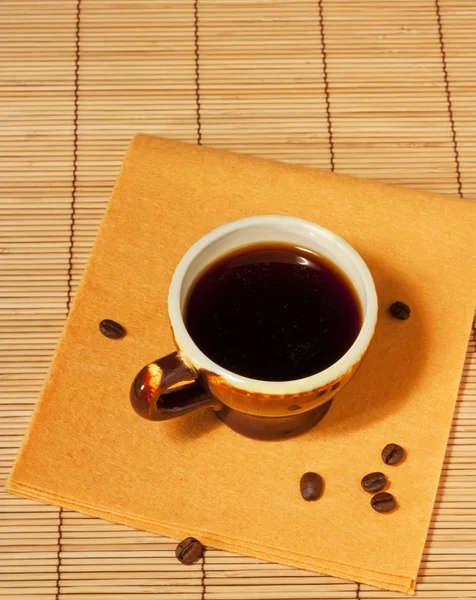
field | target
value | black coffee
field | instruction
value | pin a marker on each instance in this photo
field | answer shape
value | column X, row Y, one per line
column 273, row 312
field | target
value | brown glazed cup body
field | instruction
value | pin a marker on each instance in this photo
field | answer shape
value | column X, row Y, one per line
column 188, row 380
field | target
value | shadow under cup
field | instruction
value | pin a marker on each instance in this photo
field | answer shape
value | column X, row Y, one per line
column 188, row 379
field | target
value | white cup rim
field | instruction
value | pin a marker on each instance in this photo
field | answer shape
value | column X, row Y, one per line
column 196, row 359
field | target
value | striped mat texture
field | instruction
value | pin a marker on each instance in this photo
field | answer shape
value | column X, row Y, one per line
column 377, row 89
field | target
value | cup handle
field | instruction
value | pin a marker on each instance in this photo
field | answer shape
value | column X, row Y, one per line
column 167, row 388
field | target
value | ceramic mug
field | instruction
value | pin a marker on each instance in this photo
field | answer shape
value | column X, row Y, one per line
column 188, row 380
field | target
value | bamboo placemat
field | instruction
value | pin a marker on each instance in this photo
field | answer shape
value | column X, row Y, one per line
column 377, row 89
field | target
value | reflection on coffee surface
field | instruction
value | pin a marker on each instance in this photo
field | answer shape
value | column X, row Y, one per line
column 274, row 312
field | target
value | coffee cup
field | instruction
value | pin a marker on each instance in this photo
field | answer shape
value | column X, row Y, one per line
column 189, row 380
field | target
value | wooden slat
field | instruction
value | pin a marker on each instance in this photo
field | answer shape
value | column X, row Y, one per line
column 388, row 101
column 262, row 80
column 458, row 28
column 34, row 241
column 138, row 73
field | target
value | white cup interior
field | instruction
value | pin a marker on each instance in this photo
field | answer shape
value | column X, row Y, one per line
column 271, row 228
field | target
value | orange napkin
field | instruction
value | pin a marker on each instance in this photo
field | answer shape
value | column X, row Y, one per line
column 87, row 450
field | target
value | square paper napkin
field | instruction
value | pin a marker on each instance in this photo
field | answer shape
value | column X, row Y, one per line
column 86, row 449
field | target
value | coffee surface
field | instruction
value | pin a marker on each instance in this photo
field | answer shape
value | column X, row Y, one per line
column 273, row 312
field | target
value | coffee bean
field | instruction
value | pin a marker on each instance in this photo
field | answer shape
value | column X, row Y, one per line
column 383, row 502
column 400, row 310
column 311, row 486
column 188, row 551
column 393, row 454
column 111, row 329
column 374, row 482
